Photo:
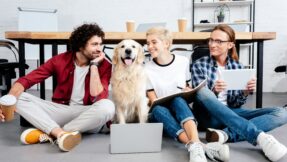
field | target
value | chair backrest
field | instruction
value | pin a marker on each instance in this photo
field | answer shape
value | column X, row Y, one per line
column 108, row 55
column 11, row 46
column 7, row 68
column 199, row 51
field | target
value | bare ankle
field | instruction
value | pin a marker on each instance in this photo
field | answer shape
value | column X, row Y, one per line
column 57, row 132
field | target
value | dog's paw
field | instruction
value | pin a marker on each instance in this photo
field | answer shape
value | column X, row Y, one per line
column 122, row 122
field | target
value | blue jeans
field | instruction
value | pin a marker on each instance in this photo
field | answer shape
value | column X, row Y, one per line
column 172, row 116
column 239, row 123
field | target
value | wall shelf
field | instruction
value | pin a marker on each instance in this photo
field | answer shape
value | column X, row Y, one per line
column 240, row 16
column 229, row 3
column 214, row 24
column 240, row 10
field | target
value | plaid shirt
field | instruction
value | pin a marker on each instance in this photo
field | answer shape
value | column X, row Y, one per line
column 206, row 68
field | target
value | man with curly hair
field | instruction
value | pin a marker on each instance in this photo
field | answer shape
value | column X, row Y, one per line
column 80, row 101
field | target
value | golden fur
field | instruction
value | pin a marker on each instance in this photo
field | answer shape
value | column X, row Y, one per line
column 129, row 82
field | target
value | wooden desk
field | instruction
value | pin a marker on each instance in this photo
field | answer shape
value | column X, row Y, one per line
column 58, row 38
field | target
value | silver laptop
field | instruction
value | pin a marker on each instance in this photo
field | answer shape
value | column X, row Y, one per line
column 145, row 26
column 136, row 137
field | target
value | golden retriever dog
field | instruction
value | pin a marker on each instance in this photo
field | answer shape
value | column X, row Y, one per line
column 129, row 83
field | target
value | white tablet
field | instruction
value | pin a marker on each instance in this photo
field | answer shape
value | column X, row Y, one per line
column 236, row 79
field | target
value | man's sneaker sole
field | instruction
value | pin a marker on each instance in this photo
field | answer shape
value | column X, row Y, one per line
column 69, row 140
column 24, row 135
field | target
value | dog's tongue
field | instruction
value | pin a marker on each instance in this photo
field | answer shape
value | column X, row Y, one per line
column 128, row 61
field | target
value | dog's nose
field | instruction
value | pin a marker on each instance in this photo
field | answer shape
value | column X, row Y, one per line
column 128, row 51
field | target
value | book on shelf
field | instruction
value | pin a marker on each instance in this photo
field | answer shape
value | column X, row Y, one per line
column 187, row 95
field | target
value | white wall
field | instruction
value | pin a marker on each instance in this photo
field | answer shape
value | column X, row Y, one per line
column 112, row 14
column 272, row 16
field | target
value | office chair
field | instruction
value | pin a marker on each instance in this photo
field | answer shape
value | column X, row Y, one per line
column 199, row 51
column 7, row 72
column 106, row 54
column 280, row 69
column 7, row 69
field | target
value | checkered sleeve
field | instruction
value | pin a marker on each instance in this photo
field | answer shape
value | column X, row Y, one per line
column 198, row 73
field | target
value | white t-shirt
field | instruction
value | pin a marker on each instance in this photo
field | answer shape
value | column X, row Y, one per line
column 222, row 96
column 170, row 78
column 78, row 91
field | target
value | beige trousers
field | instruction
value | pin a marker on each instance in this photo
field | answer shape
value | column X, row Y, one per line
column 47, row 115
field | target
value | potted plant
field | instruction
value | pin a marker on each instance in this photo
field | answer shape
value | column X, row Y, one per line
column 221, row 14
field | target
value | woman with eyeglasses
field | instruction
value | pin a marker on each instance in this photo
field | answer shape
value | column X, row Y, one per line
column 219, row 110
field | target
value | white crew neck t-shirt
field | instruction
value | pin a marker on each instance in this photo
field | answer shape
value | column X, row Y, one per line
column 78, row 91
column 222, row 96
column 170, row 78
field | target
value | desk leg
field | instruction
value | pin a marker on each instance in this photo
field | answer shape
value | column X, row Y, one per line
column 259, row 74
column 22, row 60
column 54, row 53
column 42, row 60
column 237, row 48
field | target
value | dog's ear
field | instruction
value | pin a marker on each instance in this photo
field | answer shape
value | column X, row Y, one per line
column 115, row 56
column 140, row 55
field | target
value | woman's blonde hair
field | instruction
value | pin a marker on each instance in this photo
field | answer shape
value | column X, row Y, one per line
column 162, row 33
column 231, row 36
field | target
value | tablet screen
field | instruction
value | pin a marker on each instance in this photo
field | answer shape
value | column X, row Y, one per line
column 236, row 79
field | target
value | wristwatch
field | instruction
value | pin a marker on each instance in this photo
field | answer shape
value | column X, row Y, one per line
column 94, row 63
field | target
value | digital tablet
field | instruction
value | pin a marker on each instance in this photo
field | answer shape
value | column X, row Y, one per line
column 236, row 79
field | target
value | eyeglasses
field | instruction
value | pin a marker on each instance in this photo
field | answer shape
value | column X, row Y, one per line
column 217, row 42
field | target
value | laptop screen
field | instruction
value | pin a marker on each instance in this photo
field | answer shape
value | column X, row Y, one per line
column 145, row 26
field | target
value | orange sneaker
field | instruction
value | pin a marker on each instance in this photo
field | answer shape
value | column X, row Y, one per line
column 68, row 140
column 33, row 136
